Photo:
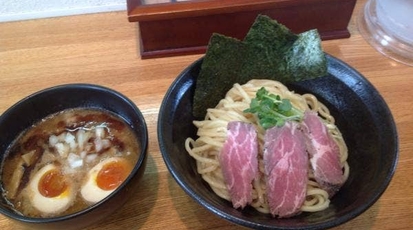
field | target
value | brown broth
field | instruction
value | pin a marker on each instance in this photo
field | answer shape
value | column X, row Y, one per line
column 35, row 141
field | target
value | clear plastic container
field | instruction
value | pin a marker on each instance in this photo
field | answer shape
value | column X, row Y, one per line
column 388, row 26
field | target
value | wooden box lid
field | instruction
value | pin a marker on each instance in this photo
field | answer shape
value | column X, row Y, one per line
column 173, row 27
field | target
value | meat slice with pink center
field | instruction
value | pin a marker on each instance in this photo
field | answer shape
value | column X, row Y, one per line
column 324, row 153
column 239, row 163
column 286, row 169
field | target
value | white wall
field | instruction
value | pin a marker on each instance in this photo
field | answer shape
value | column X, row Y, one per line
column 15, row 10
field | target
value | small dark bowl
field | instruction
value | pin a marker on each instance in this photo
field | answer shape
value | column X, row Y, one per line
column 49, row 101
column 361, row 114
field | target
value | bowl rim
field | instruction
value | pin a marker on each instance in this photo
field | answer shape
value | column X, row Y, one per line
column 333, row 63
column 138, row 165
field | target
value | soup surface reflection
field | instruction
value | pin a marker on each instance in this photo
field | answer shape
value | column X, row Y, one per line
column 67, row 162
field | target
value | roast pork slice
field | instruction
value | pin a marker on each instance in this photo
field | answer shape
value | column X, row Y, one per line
column 286, row 169
column 239, row 163
column 324, row 153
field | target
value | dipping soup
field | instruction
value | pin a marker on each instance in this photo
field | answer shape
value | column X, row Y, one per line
column 67, row 162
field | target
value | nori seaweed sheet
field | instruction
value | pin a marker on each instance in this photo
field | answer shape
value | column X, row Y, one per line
column 225, row 51
column 269, row 51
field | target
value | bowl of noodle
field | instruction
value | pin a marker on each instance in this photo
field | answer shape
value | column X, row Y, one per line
column 352, row 109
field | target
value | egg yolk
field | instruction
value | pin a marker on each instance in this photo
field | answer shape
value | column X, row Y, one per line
column 52, row 183
column 113, row 174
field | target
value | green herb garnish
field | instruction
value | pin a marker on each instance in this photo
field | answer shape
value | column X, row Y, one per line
column 272, row 110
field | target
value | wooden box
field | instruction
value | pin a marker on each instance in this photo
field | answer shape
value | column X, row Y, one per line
column 173, row 27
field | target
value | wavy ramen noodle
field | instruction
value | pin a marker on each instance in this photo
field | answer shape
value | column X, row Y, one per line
column 213, row 130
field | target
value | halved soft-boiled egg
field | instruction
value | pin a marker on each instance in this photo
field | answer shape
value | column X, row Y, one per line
column 104, row 178
column 50, row 191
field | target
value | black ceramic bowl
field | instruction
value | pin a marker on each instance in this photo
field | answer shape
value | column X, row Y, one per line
column 361, row 114
column 49, row 101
